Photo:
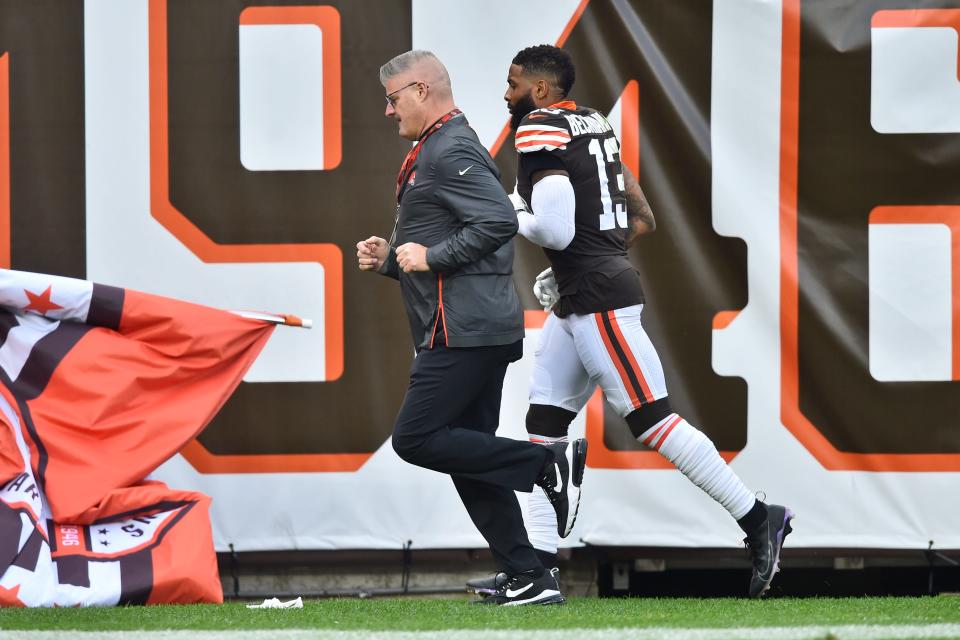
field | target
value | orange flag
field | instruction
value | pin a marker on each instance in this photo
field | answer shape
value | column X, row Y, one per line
column 112, row 382
column 98, row 387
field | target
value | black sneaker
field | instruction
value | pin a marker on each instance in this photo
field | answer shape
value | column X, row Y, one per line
column 487, row 586
column 561, row 480
column 523, row 588
column 765, row 543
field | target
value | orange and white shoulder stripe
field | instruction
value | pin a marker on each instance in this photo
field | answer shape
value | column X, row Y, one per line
column 541, row 137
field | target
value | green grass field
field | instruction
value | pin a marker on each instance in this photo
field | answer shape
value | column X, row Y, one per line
column 425, row 615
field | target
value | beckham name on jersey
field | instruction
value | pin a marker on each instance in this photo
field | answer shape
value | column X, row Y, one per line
column 593, row 123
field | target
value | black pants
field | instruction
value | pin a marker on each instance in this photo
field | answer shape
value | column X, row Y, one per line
column 447, row 423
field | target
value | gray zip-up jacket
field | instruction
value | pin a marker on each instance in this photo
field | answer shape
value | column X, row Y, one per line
column 457, row 208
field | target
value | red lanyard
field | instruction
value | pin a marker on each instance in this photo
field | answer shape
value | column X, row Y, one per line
column 407, row 167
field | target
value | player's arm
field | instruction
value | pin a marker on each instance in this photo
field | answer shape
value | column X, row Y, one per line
column 554, row 204
column 539, row 145
column 640, row 218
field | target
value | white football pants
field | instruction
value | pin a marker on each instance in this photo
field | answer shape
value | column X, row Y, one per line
column 612, row 350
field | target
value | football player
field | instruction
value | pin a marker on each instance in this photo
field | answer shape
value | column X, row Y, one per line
column 585, row 208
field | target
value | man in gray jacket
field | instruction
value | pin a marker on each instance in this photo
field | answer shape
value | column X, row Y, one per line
column 451, row 251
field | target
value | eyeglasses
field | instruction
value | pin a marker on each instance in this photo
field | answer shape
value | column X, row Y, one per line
column 392, row 96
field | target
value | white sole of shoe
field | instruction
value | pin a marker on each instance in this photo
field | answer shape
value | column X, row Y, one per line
column 547, row 596
column 577, row 462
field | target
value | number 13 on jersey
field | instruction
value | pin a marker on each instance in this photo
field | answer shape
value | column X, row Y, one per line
column 607, row 154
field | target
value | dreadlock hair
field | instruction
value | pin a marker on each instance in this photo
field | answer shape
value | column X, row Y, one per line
column 548, row 60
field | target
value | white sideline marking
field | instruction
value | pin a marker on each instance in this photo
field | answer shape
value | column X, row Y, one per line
column 838, row 632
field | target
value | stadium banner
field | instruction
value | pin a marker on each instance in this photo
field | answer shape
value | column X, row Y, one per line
column 802, row 283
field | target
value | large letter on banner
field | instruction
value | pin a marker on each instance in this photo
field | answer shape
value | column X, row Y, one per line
column 869, row 234
column 231, row 191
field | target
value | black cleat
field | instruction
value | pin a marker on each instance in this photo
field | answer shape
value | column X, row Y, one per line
column 765, row 543
column 523, row 588
column 487, row 586
column 561, row 480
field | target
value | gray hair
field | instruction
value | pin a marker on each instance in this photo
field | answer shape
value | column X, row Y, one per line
column 405, row 61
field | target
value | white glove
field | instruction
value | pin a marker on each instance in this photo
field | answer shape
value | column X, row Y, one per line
column 546, row 290
column 519, row 204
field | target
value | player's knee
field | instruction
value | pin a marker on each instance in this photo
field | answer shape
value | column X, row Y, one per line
column 641, row 420
column 547, row 420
